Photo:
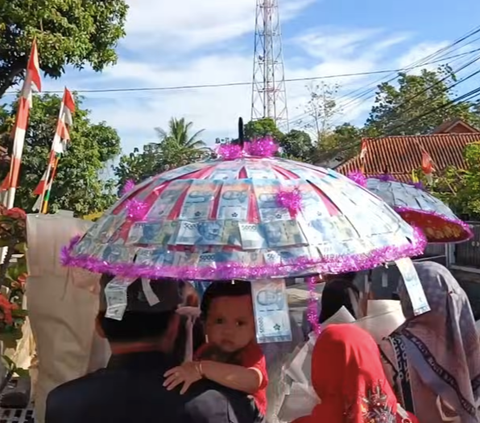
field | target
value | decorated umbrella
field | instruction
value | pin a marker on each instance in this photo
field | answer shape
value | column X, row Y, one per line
column 245, row 215
column 418, row 208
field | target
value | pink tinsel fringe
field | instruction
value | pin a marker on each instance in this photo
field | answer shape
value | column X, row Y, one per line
column 228, row 271
column 312, row 311
column 358, row 177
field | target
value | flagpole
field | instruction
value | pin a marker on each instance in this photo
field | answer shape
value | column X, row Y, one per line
column 363, row 155
column 60, row 139
column 51, row 159
column 423, row 150
column 45, row 200
column 32, row 77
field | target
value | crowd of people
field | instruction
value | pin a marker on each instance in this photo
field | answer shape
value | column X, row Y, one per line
column 427, row 370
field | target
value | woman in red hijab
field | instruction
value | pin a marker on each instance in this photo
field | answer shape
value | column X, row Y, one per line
column 348, row 377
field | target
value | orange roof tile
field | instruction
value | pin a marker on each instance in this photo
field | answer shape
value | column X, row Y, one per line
column 400, row 155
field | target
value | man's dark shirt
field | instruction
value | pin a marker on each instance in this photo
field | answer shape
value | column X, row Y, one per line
column 130, row 390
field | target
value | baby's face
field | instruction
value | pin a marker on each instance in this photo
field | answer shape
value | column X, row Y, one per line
column 230, row 323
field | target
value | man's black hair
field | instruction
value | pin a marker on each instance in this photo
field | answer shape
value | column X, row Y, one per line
column 141, row 322
column 135, row 326
column 223, row 289
column 335, row 295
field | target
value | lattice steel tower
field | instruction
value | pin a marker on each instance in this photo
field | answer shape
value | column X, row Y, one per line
column 269, row 98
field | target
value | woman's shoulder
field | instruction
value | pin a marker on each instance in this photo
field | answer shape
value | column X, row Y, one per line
column 387, row 352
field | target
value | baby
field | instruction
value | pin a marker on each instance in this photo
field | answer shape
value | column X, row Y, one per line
column 230, row 357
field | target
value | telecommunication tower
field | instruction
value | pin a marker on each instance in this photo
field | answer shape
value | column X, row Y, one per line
column 269, row 97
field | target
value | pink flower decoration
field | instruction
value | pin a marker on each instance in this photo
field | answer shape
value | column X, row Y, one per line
column 358, row 177
column 230, row 151
column 129, row 185
column 262, row 147
column 136, row 210
column 291, row 200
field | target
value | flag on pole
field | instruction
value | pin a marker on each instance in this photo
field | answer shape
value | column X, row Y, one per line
column 32, row 78
column 427, row 166
column 414, row 177
column 59, row 146
column 363, row 155
column 363, row 150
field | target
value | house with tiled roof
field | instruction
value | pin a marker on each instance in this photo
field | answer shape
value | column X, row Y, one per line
column 400, row 155
column 455, row 126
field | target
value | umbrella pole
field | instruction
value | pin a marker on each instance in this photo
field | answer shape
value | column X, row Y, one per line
column 241, row 135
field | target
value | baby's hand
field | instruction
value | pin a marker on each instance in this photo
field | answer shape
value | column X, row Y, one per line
column 188, row 373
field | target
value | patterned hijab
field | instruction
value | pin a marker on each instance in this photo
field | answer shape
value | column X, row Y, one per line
column 443, row 345
column 348, row 377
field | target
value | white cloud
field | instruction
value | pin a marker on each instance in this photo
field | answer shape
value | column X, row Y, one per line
column 172, row 43
column 417, row 54
column 189, row 24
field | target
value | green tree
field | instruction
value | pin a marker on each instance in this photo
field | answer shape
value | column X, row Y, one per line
column 321, row 107
column 179, row 134
column 139, row 165
column 77, row 185
column 460, row 188
column 341, row 144
column 297, row 145
column 177, row 147
column 68, row 32
column 417, row 104
column 261, row 128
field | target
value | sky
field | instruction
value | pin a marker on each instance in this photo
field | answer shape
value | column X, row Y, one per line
column 192, row 42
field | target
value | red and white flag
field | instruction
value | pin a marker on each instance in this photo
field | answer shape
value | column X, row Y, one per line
column 42, row 185
column 59, row 145
column 32, row 78
column 363, row 150
column 427, row 166
column 62, row 135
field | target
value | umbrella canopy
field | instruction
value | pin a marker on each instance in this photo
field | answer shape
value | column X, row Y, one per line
column 245, row 218
column 421, row 209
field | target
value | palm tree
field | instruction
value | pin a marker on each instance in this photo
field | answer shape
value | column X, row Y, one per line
column 179, row 133
column 177, row 146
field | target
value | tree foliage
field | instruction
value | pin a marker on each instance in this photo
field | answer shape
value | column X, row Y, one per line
column 321, row 107
column 261, row 128
column 297, row 145
column 460, row 189
column 417, row 104
column 340, row 144
column 77, row 184
column 68, row 32
column 177, row 146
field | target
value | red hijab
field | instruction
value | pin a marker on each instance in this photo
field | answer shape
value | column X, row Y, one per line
column 348, row 377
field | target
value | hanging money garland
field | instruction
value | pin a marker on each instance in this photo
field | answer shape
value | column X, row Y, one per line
column 245, row 215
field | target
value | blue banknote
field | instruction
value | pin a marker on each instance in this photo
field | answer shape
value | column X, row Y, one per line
column 198, row 203
column 208, row 233
column 270, row 307
column 413, row 285
column 234, row 200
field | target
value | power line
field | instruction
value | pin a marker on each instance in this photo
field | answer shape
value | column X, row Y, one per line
column 355, row 99
column 419, row 63
column 464, row 98
column 234, row 84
